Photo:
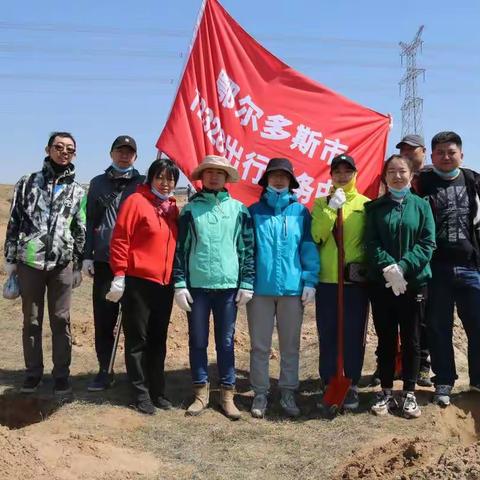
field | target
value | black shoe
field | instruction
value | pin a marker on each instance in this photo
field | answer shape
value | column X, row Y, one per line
column 62, row 386
column 145, row 406
column 102, row 381
column 423, row 378
column 163, row 403
column 31, row 384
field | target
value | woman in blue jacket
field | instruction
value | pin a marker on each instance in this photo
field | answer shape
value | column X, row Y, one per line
column 287, row 268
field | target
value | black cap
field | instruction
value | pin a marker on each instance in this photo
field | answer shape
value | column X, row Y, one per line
column 124, row 141
column 279, row 164
column 412, row 140
column 343, row 159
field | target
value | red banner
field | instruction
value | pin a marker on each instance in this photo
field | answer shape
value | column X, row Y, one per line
column 238, row 100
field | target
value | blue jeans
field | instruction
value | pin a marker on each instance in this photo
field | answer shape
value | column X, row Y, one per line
column 356, row 315
column 222, row 304
column 452, row 285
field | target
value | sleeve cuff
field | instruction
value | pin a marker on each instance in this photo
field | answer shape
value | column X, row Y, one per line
column 246, row 286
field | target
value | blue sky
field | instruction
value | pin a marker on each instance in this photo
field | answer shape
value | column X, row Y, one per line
column 101, row 69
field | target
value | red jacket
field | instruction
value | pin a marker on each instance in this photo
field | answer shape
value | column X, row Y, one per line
column 144, row 237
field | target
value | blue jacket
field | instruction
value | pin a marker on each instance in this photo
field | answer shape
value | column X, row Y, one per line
column 286, row 257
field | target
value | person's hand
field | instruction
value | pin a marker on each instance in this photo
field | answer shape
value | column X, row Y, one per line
column 308, row 295
column 337, row 199
column 398, row 287
column 183, row 299
column 88, row 268
column 393, row 274
column 243, row 297
column 10, row 268
column 117, row 287
column 76, row 278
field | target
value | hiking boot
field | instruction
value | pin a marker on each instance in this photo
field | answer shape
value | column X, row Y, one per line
column 287, row 402
column 62, row 386
column 163, row 403
column 423, row 379
column 31, row 384
column 384, row 403
column 259, row 405
column 442, row 395
column 227, row 404
column 102, row 381
column 475, row 388
column 145, row 405
column 200, row 403
column 410, row 408
column 351, row 400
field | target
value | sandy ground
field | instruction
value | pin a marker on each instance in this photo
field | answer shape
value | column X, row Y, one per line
column 97, row 436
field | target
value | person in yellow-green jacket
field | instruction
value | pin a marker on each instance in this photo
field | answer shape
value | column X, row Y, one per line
column 324, row 216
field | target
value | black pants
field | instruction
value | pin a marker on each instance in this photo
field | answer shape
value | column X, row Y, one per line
column 146, row 314
column 105, row 313
column 390, row 313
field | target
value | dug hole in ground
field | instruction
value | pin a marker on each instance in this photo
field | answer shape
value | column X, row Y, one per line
column 96, row 435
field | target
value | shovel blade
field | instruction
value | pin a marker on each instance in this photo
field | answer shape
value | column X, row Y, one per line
column 336, row 391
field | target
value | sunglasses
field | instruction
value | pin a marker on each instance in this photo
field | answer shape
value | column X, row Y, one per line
column 60, row 148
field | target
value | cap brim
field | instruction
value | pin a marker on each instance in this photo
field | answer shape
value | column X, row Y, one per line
column 232, row 173
column 412, row 144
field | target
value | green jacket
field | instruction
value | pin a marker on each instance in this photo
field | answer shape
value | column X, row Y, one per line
column 215, row 245
column 323, row 221
column 402, row 233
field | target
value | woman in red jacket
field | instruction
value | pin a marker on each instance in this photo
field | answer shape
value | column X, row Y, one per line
column 141, row 257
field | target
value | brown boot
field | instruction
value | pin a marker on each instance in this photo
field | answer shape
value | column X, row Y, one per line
column 226, row 402
column 200, row 403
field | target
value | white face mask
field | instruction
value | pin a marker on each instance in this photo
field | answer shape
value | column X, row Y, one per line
column 277, row 190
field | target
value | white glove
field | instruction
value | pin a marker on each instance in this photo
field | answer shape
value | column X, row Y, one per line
column 243, row 297
column 398, row 288
column 76, row 278
column 308, row 295
column 88, row 269
column 337, row 199
column 117, row 287
column 183, row 299
column 393, row 274
column 10, row 268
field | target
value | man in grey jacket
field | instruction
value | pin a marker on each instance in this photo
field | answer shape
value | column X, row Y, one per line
column 105, row 195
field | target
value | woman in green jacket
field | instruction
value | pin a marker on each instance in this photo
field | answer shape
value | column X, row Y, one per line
column 324, row 217
column 400, row 239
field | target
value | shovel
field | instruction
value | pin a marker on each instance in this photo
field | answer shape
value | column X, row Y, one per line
column 339, row 384
column 118, row 329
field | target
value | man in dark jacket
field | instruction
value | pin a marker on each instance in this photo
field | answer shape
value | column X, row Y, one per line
column 453, row 193
column 44, row 244
column 105, row 195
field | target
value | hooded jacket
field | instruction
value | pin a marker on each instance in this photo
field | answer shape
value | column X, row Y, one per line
column 46, row 228
column 215, row 243
column 323, row 221
column 105, row 195
column 286, row 258
column 144, row 237
column 401, row 233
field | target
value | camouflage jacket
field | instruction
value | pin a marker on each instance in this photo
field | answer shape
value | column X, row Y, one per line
column 47, row 220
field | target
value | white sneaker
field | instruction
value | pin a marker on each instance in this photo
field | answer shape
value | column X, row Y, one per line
column 287, row 402
column 410, row 407
column 384, row 403
column 442, row 395
column 259, row 406
column 351, row 400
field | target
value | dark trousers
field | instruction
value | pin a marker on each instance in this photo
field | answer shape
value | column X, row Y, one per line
column 389, row 313
column 105, row 313
column 355, row 320
column 146, row 314
column 450, row 286
column 58, row 285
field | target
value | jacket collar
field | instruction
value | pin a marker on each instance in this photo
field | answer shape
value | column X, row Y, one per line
column 49, row 173
column 115, row 175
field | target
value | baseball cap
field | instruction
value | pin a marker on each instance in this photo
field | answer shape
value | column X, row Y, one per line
column 412, row 140
column 343, row 159
column 124, row 141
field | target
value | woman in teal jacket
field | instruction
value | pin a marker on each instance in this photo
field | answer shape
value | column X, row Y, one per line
column 400, row 239
column 287, row 267
column 213, row 272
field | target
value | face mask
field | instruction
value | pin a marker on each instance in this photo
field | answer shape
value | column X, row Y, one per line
column 159, row 195
column 447, row 175
column 277, row 190
column 350, row 185
column 399, row 193
column 122, row 170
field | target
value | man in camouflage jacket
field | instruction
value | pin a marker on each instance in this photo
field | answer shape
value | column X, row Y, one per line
column 44, row 244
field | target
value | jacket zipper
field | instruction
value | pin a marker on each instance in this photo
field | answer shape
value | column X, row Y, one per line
column 49, row 224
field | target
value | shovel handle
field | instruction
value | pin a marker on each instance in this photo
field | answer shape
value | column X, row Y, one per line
column 340, row 293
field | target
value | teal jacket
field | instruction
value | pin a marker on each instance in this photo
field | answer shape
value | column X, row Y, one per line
column 215, row 244
column 401, row 233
